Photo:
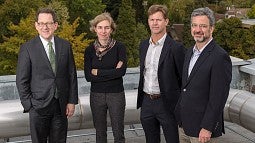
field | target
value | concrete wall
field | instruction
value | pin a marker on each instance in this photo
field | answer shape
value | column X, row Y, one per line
column 243, row 78
column 8, row 90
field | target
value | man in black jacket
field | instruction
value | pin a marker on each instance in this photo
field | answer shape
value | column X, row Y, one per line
column 206, row 81
column 161, row 62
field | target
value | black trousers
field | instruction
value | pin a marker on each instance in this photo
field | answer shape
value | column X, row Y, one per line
column 50, row 125
column 154, row 115
column 115, row 103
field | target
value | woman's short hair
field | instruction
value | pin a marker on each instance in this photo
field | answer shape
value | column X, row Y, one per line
column 99, row 18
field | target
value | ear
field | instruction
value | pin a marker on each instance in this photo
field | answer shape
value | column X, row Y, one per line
column 212, row 29
column 167, row 21
column 56, row 25
column 36, row 26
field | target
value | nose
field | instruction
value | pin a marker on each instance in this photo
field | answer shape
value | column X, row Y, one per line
column 104, row 30
column 197, row 28
column 155, row 22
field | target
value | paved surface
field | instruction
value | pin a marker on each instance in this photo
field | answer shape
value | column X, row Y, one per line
column 135, row 134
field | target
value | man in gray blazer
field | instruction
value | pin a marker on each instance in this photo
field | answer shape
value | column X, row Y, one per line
column 47, row 81
column 206, row 81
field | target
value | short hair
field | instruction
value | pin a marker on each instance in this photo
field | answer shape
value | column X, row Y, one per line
column 204, row 11
column 102, row 17
column 158, row 8
column 48, row 11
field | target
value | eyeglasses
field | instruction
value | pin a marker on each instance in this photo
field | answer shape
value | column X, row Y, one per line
column 203, row 26
column 48, row 24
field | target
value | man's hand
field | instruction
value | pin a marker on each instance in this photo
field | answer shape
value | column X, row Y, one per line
column 120, row 63
column 204, row 135
column 94, row 71
column 70, row 110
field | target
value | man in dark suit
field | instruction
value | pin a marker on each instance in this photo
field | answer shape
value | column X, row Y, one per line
column 206, row 81
column 161, row 61
column 47, row 81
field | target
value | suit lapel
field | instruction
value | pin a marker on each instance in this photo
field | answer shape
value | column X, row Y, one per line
column 58, row 51
column 204, row 55
column 42, row 51
column 186, row 65
column 144, row 49
column 165, row 50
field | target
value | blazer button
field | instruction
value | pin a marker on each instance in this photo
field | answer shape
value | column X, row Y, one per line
column 184, row 89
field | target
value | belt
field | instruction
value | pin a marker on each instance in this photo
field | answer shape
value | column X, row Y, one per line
column 153, row 96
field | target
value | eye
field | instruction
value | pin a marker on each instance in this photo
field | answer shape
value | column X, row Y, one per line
column 48, row 24
column 203, row 26
column 193, row 25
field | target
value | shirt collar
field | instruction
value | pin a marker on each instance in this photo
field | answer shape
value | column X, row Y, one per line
column 195, row 49
column 160, row 41
column 45, row 42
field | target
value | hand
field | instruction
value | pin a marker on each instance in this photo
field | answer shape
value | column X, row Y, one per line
column 94, row 71
column 204, row 135
column 70, row 110
column 120, row 63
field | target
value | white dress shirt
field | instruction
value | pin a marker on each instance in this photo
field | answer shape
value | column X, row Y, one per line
column 151, row 85
column 46, row 46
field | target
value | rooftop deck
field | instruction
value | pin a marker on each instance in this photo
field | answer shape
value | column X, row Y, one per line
column 135, row 134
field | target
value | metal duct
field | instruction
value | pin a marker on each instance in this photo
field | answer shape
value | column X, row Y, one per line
column 240, row 109
column 14, row 123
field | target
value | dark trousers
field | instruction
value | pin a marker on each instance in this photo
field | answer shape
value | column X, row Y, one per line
column 50, row 125
column 115, row 103
column 154, row 115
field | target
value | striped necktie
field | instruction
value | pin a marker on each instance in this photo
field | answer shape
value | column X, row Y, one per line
column 52, row 57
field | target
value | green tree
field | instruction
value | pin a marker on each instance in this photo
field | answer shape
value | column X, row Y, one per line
column 237, row 3
column 251, row 12
column 112, row 6
column 188, row 39
column 9, row 48
column 237, row 41
column 178, row 10
column 85, row 10
column 79, row 43
column 25, row 30
column 129, row 32
column 11, row 11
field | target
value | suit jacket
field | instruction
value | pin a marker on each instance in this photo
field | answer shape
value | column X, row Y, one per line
column 169, row 72
column 36, row 81
column 205, row 91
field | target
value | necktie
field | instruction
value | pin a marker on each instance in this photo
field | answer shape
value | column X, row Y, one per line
column 52, row 57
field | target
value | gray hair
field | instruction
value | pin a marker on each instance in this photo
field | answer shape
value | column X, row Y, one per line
column 206, row 12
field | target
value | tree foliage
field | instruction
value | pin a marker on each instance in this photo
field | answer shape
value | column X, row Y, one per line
column 178, row 10
column 9, row 48
column 129, row 32
column 237, row 41
column 251, row 12
column 237, row 3
column 112, row 6
column 25, row 30
column 85, row 10
column 11, row 11
column 79, row 43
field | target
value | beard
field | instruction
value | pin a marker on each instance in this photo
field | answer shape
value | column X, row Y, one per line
column 202, row 37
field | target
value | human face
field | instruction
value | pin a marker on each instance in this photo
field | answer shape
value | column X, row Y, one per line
column 157, row 23
column 201, row 29
column 46, row 26
column 103, row 30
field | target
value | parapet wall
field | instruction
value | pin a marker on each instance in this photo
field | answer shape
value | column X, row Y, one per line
column 8, row 90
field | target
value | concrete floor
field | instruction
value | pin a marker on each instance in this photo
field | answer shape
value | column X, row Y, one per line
column 135, row 134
